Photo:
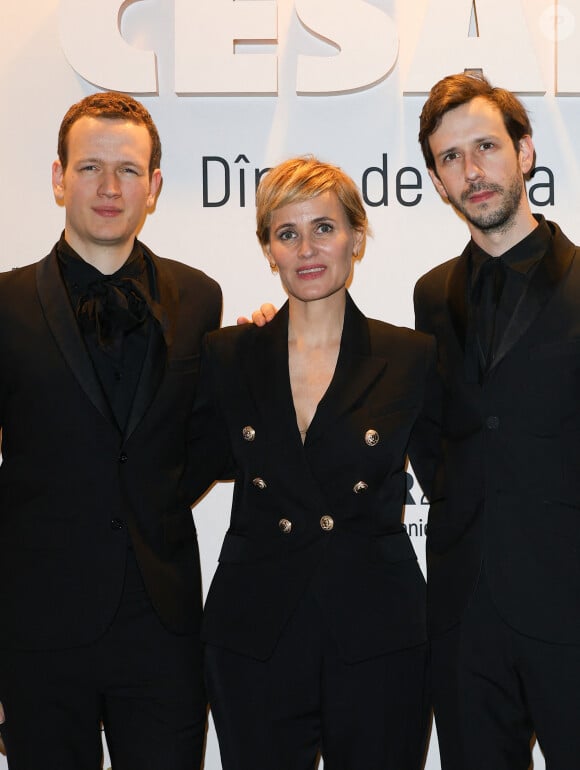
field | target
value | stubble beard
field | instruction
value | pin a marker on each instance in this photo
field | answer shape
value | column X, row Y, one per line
column 499, row 219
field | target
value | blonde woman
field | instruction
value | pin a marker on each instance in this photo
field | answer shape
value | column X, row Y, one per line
column 315, row 623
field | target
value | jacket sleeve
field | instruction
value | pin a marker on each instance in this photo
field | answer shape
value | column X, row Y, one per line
column 209, row 455
column 425, row 447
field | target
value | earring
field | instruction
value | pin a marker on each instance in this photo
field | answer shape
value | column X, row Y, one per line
column 273, row 268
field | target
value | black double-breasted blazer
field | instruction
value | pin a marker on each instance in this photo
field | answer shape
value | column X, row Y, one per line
column 500, row 458
column 323, row 516
column 74, row 486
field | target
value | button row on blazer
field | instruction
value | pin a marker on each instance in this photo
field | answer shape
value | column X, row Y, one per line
column 492, row 422
column 326, row 523
column 248, row 433
column 123, row 457
column 372, row 437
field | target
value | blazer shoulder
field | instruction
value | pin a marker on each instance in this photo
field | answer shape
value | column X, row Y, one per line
column 431, row 288
column 232, row 337
column 436, row 275
column 561, row 240
column 18, row 278
column 186, row 274
column 191, row 288
column 387, row 338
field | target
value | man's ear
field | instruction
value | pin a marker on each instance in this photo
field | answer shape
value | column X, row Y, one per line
column 58, row 180
column 154, row 186
column 438, row 184
column 527, row 154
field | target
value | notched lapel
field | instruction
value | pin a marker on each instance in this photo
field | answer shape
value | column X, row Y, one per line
column 64, row 327
column 457, row 290
column 353, row 377
column 267, row 374
column 550, row 271
column 166, row 293
column 265, row 364
column 357, row 369
column 152, row 373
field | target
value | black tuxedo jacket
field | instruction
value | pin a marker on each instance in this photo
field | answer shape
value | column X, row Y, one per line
column 74, row 488
column 324, row 516
column 500, row 460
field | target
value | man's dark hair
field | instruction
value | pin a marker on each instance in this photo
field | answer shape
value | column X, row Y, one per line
column 455, row 90
column 111, row 105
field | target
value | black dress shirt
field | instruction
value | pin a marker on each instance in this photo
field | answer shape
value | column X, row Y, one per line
column 118, row 366
column 497, row 285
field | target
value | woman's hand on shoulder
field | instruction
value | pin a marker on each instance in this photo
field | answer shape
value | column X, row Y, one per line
column 260, row 317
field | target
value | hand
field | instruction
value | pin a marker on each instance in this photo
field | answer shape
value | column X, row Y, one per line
column 260, row 317
column 2, row 749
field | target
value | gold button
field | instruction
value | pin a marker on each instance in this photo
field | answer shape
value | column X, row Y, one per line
column 360, row 486
column 248, row 433
column 259, row 483
column 326, row 523
column 285, row 526
column 371, row 437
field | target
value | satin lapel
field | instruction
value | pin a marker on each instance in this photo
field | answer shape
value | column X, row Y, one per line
column 457, row 295
column 165, row 291
column 356, row 370
column 265, row 366
column 539, row 290
column 63, row 325
column 150, row 379
column 153, row 369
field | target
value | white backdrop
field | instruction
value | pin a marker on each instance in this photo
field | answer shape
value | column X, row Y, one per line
column 362, row 70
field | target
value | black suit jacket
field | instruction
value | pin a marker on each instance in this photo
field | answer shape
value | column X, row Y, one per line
column 500, row 460
column 73, row 488
column 363, row 571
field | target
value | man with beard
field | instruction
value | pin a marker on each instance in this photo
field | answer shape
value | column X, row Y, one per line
column 498, row 452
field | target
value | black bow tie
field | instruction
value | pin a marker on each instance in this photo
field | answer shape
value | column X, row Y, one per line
column 112, row 307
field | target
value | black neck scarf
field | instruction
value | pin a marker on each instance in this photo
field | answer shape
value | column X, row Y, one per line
column 109, row 306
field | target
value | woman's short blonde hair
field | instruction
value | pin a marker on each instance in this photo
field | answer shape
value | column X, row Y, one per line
column 300, row 179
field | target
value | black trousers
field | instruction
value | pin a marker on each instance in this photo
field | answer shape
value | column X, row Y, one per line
column 493, row 688
column 142, row 682
column 280, row 713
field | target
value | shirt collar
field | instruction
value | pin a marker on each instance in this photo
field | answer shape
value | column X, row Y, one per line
column 79, row 274
column 522, row 257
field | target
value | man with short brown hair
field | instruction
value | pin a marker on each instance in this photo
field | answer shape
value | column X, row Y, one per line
column 498, row 451
column 99, row 568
